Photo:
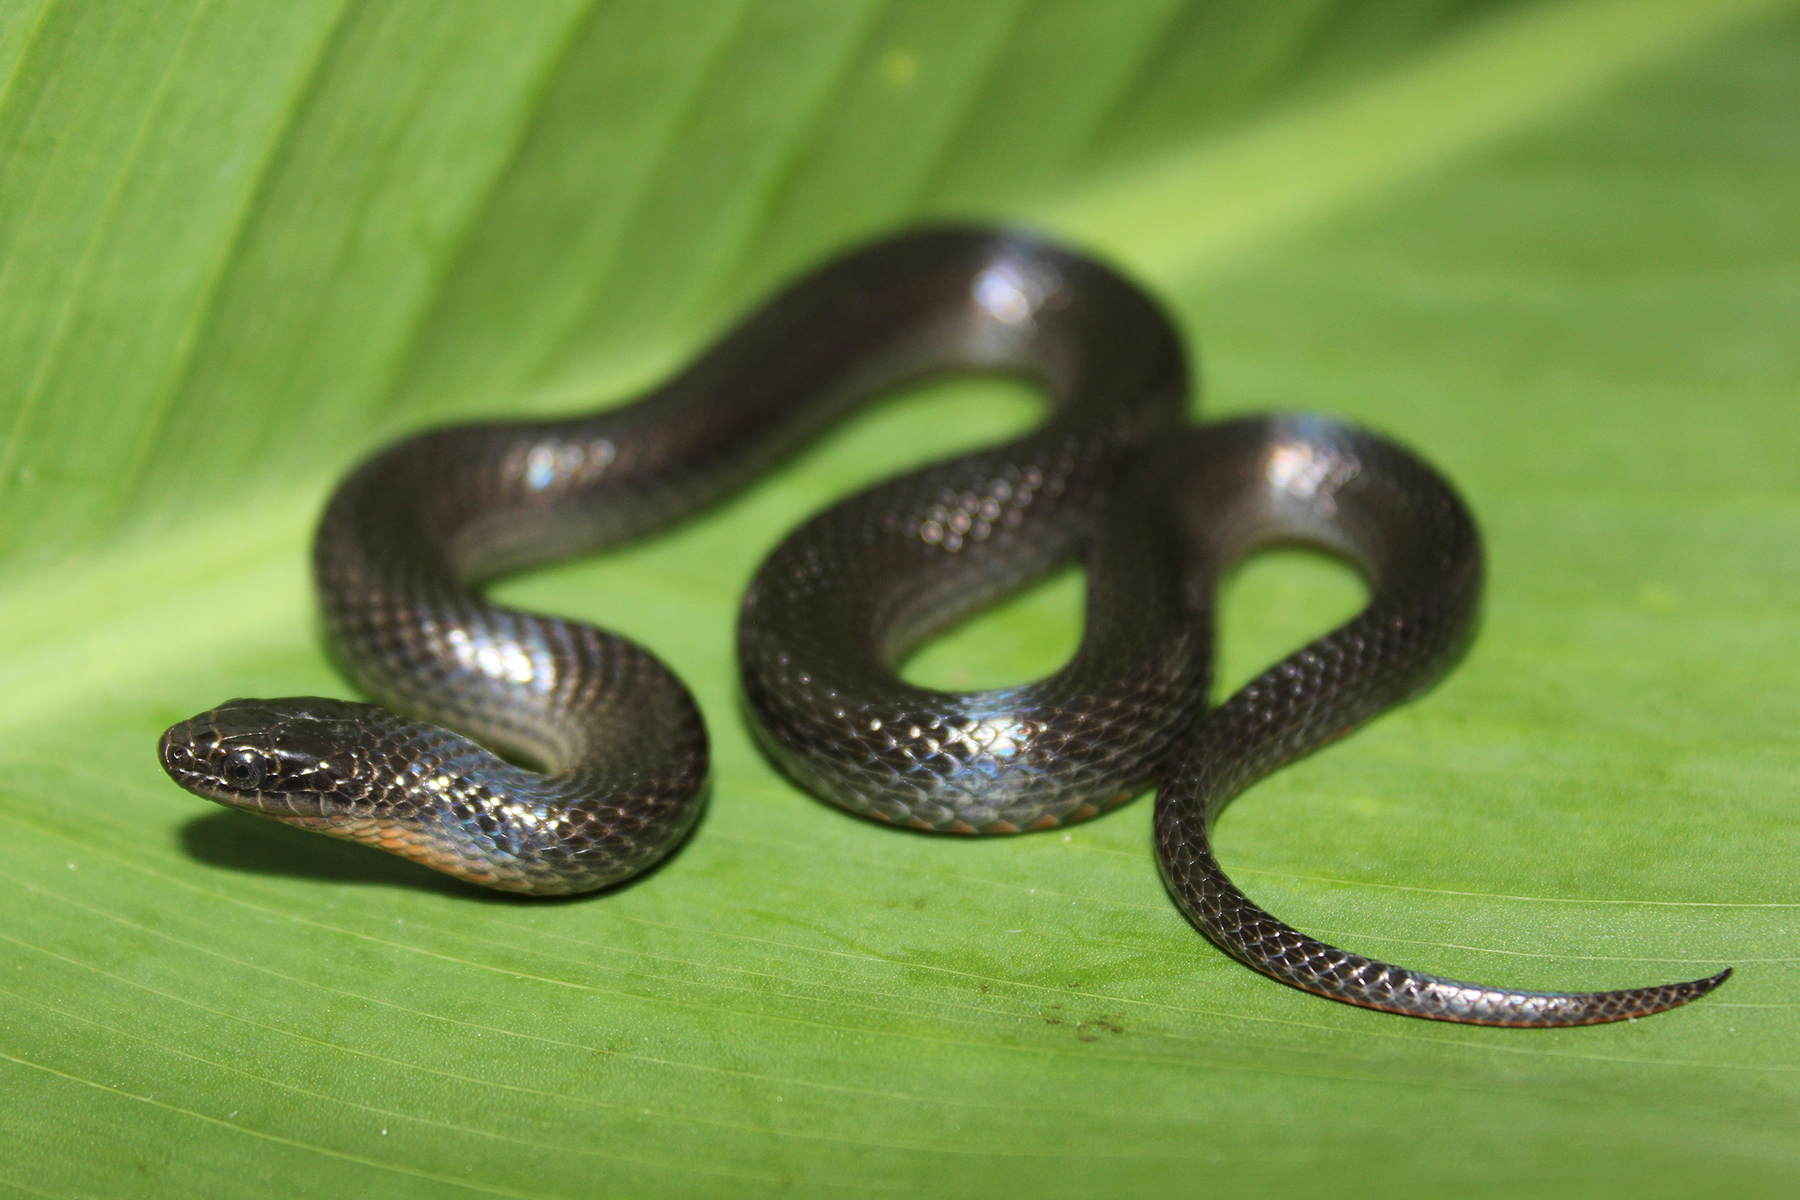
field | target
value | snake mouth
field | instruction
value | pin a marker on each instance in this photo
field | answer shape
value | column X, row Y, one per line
column 198, row 763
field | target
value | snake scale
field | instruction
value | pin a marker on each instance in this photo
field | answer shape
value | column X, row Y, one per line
column 589, row 757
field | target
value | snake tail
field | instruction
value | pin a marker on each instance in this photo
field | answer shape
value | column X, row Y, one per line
column 1394, row 519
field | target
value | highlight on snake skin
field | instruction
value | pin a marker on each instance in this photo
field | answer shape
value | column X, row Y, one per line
column 466, row 691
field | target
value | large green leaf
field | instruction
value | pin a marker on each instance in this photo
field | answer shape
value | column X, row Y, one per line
column 1552, row 246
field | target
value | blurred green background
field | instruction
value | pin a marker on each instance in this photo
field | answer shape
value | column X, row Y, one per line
column 1552, row 246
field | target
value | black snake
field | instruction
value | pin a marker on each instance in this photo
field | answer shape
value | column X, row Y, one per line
column 1156, row 508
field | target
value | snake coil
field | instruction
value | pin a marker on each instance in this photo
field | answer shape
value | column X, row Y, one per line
column 1156, row 509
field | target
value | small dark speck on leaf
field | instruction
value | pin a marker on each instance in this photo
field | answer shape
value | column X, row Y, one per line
column 1090, row 1031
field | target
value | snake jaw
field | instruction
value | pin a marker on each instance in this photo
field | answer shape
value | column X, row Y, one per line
column 197, row 764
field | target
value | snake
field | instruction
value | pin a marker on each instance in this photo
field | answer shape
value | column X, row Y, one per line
column 539, row 755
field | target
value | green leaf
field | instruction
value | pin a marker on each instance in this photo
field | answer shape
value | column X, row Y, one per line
column 1552, row 246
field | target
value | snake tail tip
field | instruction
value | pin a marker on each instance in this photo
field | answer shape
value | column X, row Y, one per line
column 1681, row 994
column 1697, row 988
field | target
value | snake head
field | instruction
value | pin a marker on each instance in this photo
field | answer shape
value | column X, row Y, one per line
column 288, row 759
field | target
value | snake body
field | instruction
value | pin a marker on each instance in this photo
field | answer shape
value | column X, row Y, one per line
column 616, row 746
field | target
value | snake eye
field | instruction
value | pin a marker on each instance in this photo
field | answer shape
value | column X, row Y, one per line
column 244, row 769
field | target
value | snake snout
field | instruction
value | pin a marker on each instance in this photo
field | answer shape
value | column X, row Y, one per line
column 185, row 750
column 176, row 756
